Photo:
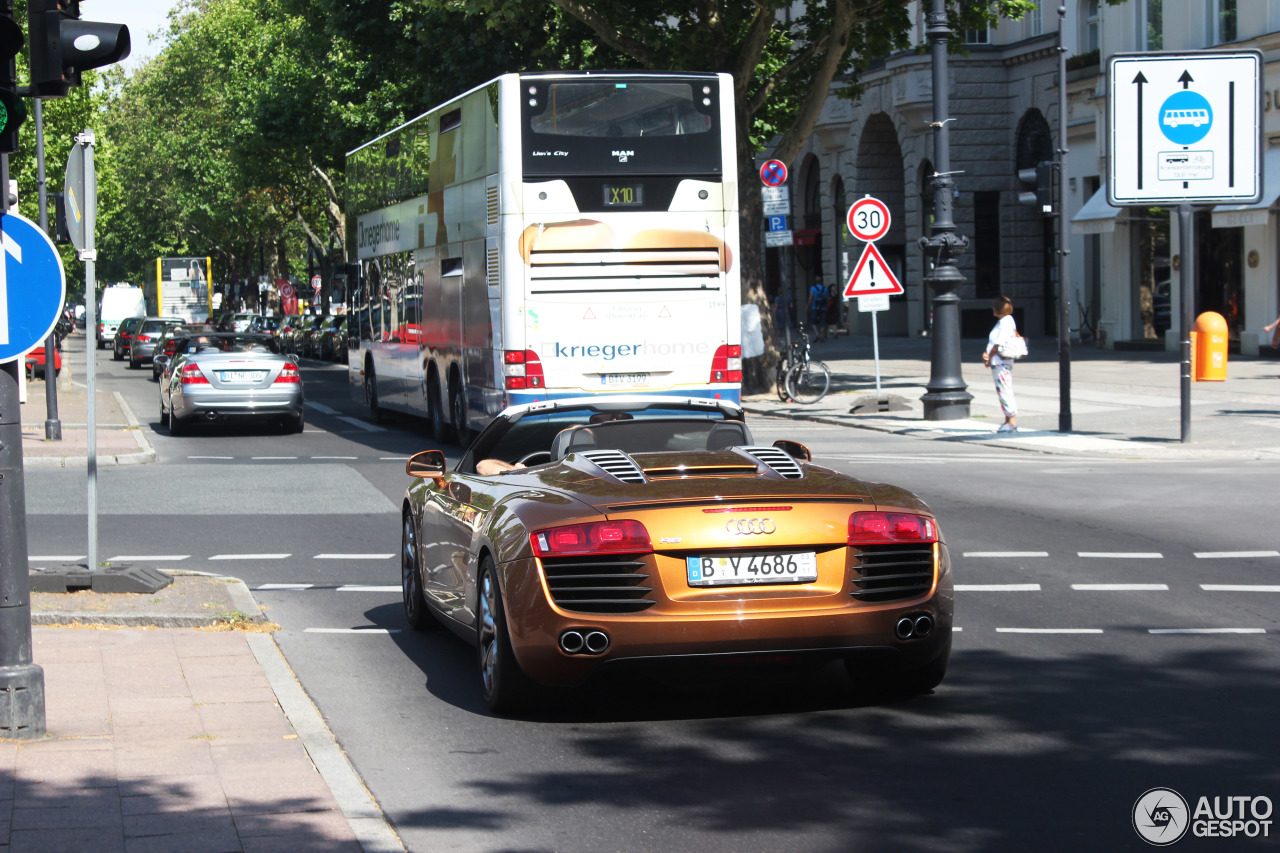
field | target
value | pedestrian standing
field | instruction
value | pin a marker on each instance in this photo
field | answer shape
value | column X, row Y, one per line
column 782, row 312
column 1274, row 328
column 818, row 309
column 833, row 311
column 999, row 355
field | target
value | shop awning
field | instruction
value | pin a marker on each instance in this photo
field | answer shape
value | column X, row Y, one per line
column 1098, row 216
column 1238, row 215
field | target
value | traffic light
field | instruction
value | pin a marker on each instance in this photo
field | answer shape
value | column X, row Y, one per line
column 1039, row 183
column 12, row 110
column 62, row 45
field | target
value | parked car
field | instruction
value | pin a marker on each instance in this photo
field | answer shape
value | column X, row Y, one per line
column 143, row 346
column 320, row 338
column 606, row 531
column 34, row 362
column 218, row 376
column 166, row 345
column 123, row 339
column 339, row 345
column 264, row 324
column 304, row 336
column 236, row 322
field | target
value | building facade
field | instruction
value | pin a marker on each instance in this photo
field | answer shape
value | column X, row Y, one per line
column 1003, row 95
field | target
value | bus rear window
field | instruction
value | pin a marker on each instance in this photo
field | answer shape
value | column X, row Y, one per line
column 614, row 110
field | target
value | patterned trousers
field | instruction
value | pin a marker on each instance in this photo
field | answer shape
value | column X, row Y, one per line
column 1003, row 376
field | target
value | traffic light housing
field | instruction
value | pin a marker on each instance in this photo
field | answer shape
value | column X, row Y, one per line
column 1039, row 183
column 63, row 46
column 12, row 109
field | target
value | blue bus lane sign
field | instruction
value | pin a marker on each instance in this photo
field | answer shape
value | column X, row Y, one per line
column 33, row 287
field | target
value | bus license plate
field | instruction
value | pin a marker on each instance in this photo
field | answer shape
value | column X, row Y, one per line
column 743, row 569
column 624, row 378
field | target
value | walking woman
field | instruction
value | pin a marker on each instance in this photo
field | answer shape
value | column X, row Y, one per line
column 1002, row 344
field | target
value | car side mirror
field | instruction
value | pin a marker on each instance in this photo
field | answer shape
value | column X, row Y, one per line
column 162, row 361
column 794, row 449
column 428, row 464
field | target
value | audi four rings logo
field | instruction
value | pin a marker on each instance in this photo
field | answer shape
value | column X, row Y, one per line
column 749, row 526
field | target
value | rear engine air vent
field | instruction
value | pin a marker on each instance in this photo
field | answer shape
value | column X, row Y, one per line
column 598, row 583
column 777, row 460
column 893, row 571
column 616, row 463
column 676, row 472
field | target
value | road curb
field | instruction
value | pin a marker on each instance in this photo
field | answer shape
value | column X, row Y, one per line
column 145, row 455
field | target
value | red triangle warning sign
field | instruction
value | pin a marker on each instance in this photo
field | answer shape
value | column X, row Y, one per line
column 871, row 276
column 664, row 313
column 590, row 315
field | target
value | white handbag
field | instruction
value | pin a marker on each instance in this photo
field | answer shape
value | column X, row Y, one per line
column 1013, row 348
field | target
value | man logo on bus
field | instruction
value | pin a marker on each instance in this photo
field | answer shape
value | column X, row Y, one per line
column 624, row 156
column 1185, row 117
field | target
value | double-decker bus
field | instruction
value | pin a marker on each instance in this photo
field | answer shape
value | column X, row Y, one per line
column 547, row 235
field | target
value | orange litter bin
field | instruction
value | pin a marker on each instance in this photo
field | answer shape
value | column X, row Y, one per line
column 1209, row 348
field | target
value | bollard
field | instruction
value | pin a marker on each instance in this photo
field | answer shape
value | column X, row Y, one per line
column 1209, row 348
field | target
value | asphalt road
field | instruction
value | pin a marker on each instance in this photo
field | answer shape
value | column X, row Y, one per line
column 1118, row 625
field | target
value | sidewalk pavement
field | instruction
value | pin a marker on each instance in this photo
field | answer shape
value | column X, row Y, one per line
column 1123, row 404
column 121, row 439
column 177, row 739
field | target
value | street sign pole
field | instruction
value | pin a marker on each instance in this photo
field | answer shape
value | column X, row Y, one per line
column 52, row 425
column 1186, row 287
column 21, row 680
column 88, row 253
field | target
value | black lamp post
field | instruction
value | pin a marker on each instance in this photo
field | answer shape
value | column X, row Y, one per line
column 945, row 398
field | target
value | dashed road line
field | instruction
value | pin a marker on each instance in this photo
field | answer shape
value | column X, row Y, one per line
column 56, row 558
column 156, row 558
column 284, row 586
column 1048, row 630
column 321, row 408
column 352, row 587
column 1121, row 587
column 370, row 630
column 997, row 587
column 1206, row 630
column 1239, row 587
column 1121, row 555
column 270, row 458
column 364, row 426
column 211, row 457
column 335, row 457
column 1230, row 555
column 353, row 556
column 250, row 556
column 1002, row 554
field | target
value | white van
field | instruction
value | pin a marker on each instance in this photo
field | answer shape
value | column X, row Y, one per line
column 118, row 302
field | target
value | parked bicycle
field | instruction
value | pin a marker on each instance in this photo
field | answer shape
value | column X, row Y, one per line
column 801, row 379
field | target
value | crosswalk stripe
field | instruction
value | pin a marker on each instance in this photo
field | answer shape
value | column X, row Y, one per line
column 1121, row 587
column 1227, row 555
column 1239, row 587
column 1206, row 630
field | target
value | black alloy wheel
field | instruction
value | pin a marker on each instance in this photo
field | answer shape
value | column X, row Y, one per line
column 416, row 611
column 506, row 688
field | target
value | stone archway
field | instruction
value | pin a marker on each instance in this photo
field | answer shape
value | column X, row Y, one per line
column 881, row 174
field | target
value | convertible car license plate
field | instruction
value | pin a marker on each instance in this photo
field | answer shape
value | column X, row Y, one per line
column 624, row 378
column 741, row 569
column 242, row 375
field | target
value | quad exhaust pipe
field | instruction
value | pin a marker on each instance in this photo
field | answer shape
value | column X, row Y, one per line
column 913, row 627
column 578, row 641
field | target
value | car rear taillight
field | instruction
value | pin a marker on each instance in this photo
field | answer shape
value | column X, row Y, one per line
column 142, row 339
column 593, row 537
column 170, row 347
column 726, row 364
column 867, row 528
column 288, row 373
column 523, row 369
column 191, row 375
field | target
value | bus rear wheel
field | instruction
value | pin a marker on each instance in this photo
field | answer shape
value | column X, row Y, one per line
column 458, row 407
column 371, row 394
column 440, row 426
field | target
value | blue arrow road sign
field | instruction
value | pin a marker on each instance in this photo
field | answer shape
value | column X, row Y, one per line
column 777, row 223
column 33, row 287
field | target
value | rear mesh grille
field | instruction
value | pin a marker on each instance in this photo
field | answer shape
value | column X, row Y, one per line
column 777, row 460
column 598, row 584
column 892, row 572
column 617, row 463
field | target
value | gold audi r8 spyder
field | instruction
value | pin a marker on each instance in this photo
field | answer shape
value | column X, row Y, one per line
column 591, row 532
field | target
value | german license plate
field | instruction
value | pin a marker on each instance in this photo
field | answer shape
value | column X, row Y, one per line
column 743, row 569
column 242, row 375
column 624, row 378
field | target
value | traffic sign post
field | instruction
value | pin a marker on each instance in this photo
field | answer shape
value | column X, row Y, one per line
column 872, row 281
column 1186, row 129
column 872, row 275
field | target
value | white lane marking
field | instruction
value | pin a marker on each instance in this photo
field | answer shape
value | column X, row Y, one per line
column 994, row 554
column 1048, row 630
column 57, row 558
column 273, row 457
column 1121, row 587
column 393, row 458
column 290, row 586
column 355, row 587
column 335, row 457
column 1239, row 587
column 153, row 557
column 250, row 556
column 1206, row 630
column 211, row 457
column 351, row 631
column 364, row 426
column 1121, row 555
column 1227, row 555
column 957, row 629
column 321, row 408
column 997, row 587
column 353, row 556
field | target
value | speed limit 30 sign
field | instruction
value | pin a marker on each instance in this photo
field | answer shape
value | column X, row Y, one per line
column 869, row 219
